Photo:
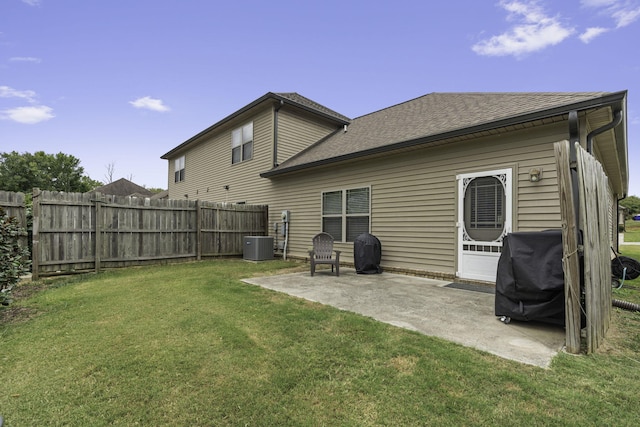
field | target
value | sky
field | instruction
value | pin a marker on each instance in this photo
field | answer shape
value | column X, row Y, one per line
column 118, row 83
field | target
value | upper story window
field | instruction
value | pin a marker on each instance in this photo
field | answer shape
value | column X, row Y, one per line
column 345, row 213
column 179, row 169
column 242, row 143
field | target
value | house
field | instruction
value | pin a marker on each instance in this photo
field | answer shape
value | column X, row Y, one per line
column 439, row 179
column 123, row 187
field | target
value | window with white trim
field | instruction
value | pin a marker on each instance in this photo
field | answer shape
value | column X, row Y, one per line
column 242, row 143
column 346, row 213
column 179, row 169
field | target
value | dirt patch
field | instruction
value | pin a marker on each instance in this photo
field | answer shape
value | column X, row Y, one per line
column 15, row 313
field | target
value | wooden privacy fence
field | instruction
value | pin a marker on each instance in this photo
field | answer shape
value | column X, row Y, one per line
column 79, row 232
column 14, row 206
column 594, row 221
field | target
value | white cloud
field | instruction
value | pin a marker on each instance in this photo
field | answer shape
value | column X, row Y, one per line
column 534, row 30
column 28, row 115
column 592, row 33
column 8, row 92
column 623, row 12
column 32, row 2
column 150, row 104
column 597, row 3
column 626, row 16
column 25, row 59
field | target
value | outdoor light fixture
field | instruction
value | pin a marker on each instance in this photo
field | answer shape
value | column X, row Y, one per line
column 535, row 175
column 226, row 187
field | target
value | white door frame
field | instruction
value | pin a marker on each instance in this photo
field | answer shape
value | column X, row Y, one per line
column 478, row 260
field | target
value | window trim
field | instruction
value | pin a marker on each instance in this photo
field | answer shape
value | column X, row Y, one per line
column 344, row 215
column 243, row 146
column 179, row 169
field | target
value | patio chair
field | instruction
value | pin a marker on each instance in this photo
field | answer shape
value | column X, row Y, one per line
column 322, row 253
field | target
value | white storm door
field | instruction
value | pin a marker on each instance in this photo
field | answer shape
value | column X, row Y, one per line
column 484, row 218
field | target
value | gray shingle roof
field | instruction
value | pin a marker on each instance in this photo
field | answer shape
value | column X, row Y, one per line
column 436, row 116
column 124, row 187
column 311, row 105
column 291, row 98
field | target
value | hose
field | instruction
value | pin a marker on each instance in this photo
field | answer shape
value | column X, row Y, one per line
column 623, row 266
column 625, row 305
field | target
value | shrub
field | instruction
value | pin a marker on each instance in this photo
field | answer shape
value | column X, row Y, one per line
column 14, row 258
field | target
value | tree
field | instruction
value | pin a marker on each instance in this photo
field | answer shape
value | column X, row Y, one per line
column 54, row 172
column 632, row 203
column 111, row 168
column 14, row 258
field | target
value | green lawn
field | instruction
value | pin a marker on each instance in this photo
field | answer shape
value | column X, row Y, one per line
column 191, row 345
column 630, row 290
column 632, row 231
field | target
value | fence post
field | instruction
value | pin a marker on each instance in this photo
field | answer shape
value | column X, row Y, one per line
column 198, row 230
column 571, row 256
column 265, row 213
column 35, row 239
column 98, row 231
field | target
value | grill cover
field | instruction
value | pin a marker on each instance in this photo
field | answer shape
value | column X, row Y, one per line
column 367, row 253
column 530, row 278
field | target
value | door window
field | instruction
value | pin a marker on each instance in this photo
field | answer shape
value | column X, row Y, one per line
column 484, row 202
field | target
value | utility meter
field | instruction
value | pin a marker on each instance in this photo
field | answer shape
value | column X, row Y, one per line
column 285, row 216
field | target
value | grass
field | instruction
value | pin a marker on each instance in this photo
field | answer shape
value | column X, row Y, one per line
column 191, row 344
column 632, row 231
column 630, row 290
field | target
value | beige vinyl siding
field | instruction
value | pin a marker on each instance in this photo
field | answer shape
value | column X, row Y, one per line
column 208, row 166
column 297, row 132
column 612, row 217
column 413, row 193
column 414, row 200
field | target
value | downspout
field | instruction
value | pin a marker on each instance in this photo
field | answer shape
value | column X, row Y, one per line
column 574, row 137
column 617, row 119
column 275, row 134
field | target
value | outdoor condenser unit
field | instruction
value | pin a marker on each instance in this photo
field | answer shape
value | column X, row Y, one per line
column 257, row 248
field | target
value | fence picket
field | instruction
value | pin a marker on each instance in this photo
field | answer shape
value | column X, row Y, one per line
column 80, row 232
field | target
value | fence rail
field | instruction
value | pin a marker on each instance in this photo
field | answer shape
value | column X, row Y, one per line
column 76, row 232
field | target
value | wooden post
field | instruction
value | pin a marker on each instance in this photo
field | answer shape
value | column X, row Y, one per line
column 198, row 230
column 265, row 213
column 35, row 242
column 570, row 260
column 98, row 231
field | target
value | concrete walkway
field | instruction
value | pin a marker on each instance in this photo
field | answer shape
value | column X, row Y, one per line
column 622, row 242
column 427, row 306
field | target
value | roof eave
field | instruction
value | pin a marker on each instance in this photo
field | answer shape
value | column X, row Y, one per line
column 609, row 99
column 266, row 97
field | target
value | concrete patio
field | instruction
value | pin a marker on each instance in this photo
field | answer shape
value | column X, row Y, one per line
column 431, row 307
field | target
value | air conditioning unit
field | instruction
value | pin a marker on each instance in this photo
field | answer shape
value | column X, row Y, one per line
column 257, row 248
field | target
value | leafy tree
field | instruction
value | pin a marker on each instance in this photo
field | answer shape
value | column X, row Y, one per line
column 632, row 203
column 14, row 258
column 54, row 172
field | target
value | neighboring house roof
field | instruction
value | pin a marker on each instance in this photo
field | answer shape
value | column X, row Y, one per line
column 289, row 98
column 123, row 187
column 440, row 116
column 164, row 194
